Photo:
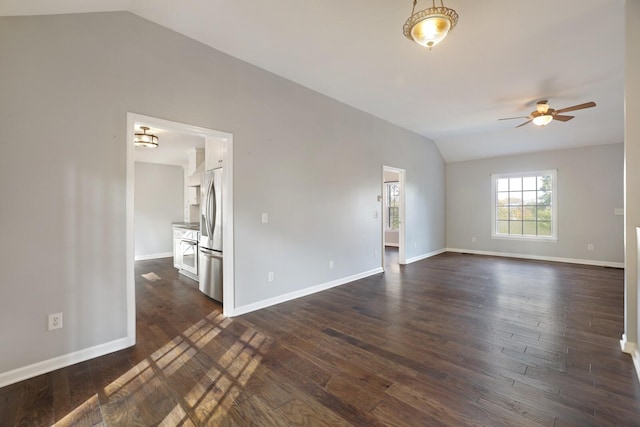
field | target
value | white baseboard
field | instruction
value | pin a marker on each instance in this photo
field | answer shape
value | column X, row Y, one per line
column 627, row 346
column 39, row 368
column 540, row 258
column 153, row 256
column 425, row 256
column 636, row 361
column 237, row 311
column 632, row 349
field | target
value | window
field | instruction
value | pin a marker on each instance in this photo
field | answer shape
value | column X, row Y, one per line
column 393, row 205
column 524, row 205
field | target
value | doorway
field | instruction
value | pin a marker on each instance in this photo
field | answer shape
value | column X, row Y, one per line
column 226, row 140
column 393, row 213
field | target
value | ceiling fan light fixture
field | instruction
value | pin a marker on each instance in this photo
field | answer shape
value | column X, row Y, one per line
column 145, row 139
column 542, row 120
column 544, row 114
column 430, row 26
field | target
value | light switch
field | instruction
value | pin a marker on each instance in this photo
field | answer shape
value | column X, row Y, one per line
column 618, row 211
column 265, row 218
column 375, row 214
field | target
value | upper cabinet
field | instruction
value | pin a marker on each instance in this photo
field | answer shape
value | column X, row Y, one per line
column 213, row 152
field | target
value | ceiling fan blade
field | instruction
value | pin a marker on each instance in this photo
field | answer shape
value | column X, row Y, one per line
column 562, row 118
column 511, row 118
column 577, row 107
column 525, row 123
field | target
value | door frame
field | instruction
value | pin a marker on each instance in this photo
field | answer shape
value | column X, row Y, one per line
column 402, row 179
column 227, row 202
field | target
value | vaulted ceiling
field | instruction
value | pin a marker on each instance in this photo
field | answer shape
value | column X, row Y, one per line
column 502, row 57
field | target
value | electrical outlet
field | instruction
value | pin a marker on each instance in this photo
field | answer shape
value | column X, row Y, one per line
column 271, row 276
column 590, row 246
column 55, row 321
column 330, row 265
column 375, row 214
column 473, row 240
column 265, row 218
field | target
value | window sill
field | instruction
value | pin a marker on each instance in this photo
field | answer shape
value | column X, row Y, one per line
column 526, row 239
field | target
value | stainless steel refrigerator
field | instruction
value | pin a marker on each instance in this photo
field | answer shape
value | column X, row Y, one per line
column 210, row 256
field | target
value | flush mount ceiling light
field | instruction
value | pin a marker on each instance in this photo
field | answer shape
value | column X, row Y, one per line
column 430, row 26
column 145, row 139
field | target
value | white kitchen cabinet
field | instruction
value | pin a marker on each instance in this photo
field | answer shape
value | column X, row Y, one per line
column 213, row 152
column 177, row 261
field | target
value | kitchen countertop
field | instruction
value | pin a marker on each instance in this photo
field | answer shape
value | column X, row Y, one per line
column 187, row 225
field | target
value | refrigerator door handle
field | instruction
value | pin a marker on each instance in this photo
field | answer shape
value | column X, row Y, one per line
column 214, row 208
column 208, row 209
column 210, row 253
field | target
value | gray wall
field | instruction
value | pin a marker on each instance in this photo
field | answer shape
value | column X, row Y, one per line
column 590, row 187
column 159, row 200
column 312, row 163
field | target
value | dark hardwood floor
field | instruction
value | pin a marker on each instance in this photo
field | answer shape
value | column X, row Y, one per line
column 452, row 340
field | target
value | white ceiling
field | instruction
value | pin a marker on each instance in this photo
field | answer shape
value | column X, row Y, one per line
column 503, row 56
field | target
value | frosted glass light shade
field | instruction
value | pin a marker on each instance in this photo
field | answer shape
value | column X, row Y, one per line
column 430, row 26
column 543, row 120
column 431, row 31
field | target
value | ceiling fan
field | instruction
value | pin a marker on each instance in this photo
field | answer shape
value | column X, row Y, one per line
column 545, row 114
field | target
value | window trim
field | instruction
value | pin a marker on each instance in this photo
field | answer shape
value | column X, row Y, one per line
column 554, row 206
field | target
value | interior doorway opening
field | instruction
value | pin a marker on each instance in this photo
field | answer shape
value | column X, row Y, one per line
column 393, row 214
column 226, row 140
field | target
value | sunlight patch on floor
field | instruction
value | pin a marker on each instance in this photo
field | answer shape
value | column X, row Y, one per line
column 127, row 384
column 89, row 406
column 151, row 277
column 217, row 377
